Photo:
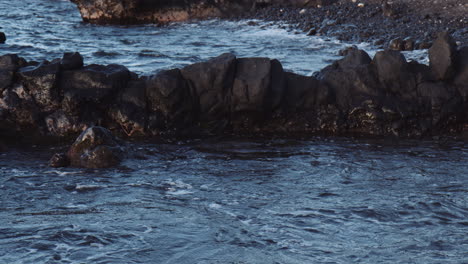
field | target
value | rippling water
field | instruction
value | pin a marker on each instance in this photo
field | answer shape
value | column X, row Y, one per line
column 45, row 29
column 224, row 200
column 241, row 201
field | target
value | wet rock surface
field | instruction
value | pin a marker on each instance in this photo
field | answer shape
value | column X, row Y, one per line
column 357, row 95
column 96, row 147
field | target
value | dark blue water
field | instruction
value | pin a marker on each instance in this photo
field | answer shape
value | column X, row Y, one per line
column 241, row 201
column 225, row 200
column 45, row 29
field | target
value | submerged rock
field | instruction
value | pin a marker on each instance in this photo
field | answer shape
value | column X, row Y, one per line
column 59, row 160
column 96, row 147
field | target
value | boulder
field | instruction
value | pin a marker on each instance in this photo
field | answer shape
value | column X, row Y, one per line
column 461, row 75
column 61, row 124
column 41, row 82
column 354, row 57
column 2, row 37
column 171, row 105
column 409, row 44
column 71, row 61
column 9, row 64
column 275, row 95
column 129, row 110
column 19, row 109
column 442, row 56
column 351, row 80
column 59, row 160
column 444, row 102
column 96, row 147
column 397, row 44
column 88, row 92
column 95, row 82
column 211, row 82
column 394, row 73
column 305, row 93
column 421, row 72
column 251, row 85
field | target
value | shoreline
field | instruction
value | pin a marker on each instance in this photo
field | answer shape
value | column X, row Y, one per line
column 399, row 28
column 356, row 95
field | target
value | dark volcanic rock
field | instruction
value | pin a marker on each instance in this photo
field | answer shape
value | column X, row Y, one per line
column 170, row 102
column 211, row 82
column 442, row 56
column 95, row 82
column 305, row 93
column 356, row 95
column 130, row 108
column 96, row 147
column 394, row 73
column 444, row 102
column 148, row 11
column 275, row 95
column 352, row 79
column 2, row 38
column 71, row 61
column 41, row 83
column 89, row 91
column 61, row 124
column 59, row 160
column 9, row 64
column 397, row 44
column 251, row 84
column 461, row 77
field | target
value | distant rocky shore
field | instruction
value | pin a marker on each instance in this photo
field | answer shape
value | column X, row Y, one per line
column 396, row 24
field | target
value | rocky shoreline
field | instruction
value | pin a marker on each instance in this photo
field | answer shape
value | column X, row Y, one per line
column 357, row 95
column 395, row 24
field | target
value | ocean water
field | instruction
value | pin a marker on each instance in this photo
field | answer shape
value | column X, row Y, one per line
column 45, row 29
column 223, row 200
column 241, row 201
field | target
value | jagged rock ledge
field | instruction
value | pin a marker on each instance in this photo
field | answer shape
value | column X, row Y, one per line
column 357, row 95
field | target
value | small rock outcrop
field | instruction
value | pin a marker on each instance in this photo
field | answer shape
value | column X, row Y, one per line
column 96, row 147
column 2, row 37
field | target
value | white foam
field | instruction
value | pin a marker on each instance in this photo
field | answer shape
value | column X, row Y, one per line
column 214, row 206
